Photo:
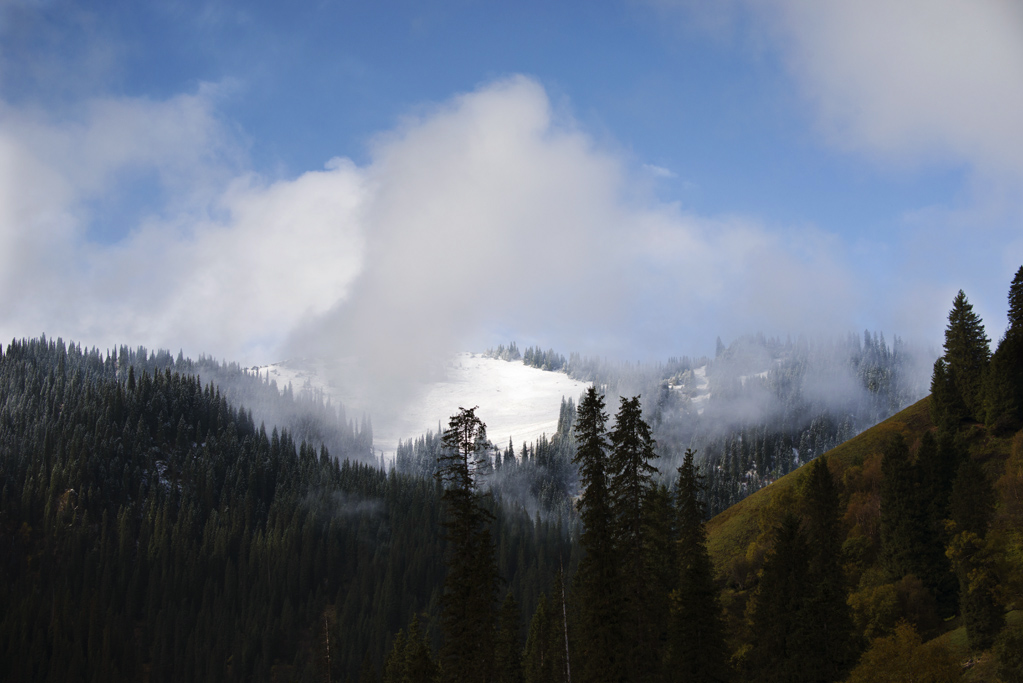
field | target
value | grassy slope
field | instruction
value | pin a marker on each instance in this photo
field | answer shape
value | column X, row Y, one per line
column 731, row 532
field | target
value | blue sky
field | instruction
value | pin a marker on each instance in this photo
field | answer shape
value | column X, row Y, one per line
column 629, row 178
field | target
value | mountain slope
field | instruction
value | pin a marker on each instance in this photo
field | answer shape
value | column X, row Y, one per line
column 731, row 532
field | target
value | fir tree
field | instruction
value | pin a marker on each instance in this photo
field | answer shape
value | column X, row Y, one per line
column 779, row 649
column 1016, row 302
column 632, row 449
column 507, row 646
column 1003, row 401
column 947, row 406
column 467, row 616
column 937, row 462
column 410, row 660
column 903, row 515
column 829, row 625
column 696, row 648
column 597, row 580
column 966, row 353
column 544, row 656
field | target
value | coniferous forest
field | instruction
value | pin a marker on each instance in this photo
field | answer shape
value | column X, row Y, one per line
column 155, row 529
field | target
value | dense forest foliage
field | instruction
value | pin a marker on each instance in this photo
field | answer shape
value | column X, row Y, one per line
column 152, row 531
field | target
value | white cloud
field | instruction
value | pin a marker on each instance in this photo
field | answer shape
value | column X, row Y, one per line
column 659, row 171
column 489, row 211
column 912, row 80
column 227, row 263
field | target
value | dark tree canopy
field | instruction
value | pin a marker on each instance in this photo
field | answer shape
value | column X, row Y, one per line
column 966, row 353
column 470, row 587
column 597, row 580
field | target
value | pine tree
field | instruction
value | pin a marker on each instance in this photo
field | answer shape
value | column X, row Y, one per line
column 696, row 649
column 903, row 514
column 779, row 649
column 966, row 353
column 544, row 656
column 507, row 646
column 410, row 660
column 937, row 463
column 947, row 406
column 632, row 449
column 467, row 606
column 829, row 624
column 597, row 582
column 1003, row 390
column 1016, row 302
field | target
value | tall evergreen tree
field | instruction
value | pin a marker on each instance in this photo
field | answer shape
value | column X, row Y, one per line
column 467, row 607
column 937, row 461
column 696, row 649
column 1016, row 301
column 597, row 580
column 544, row 657
column 903, row 514
column 829, row 624
column 507, row 645
column 947, row 407
column 779, row 649
column 966, row 353
column 631, row 480
column 410, row 660
column 1003, row 391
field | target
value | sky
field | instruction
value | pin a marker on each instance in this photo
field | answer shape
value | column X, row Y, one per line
column 401, row 180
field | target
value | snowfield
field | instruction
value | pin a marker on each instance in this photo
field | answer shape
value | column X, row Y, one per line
column 514, row 400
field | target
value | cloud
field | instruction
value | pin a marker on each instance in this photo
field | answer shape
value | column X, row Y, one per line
column 221, row 262
column 659, row 171
column 913, row 80
column 493, row 211
column 924, row 88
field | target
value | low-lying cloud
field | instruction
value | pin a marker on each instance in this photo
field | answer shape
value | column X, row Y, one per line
column 493, row 213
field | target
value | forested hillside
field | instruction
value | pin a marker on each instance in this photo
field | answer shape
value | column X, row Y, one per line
column 928, row 521
column 760, row 408
column 151, row 530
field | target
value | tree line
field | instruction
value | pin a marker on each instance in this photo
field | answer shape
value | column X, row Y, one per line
column 151, row 530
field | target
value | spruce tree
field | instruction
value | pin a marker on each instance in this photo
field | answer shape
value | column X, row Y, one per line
column 410, row 660
column 779, row 649
column 903, row 515
column 937, row 462
column 1003, row 391
column 632, row 449
column 507, row 646
column 544, row 656
column 696, row 649
column 467, row 606
column 830, row 653
column 966, row 353
column 947, row 406
column 597, row 580
column 1016, row 302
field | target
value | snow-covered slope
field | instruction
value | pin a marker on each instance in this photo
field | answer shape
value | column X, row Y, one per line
column 514, row 400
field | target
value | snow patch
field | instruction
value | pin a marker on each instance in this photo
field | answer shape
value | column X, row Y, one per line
column 514, row 399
